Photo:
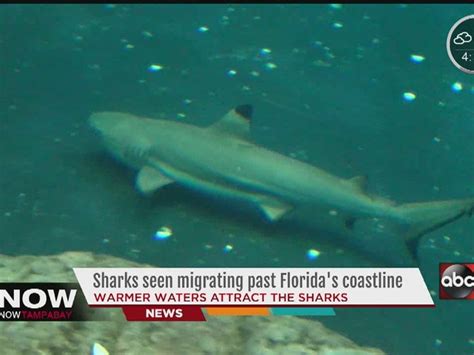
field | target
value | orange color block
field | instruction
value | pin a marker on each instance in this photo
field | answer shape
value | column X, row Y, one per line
column 238, row 311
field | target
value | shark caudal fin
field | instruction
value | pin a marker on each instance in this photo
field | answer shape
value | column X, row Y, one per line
column 395, row 242
column 424, row 217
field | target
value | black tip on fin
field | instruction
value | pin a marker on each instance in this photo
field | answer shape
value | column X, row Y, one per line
column 245, row 111
column 412, row 246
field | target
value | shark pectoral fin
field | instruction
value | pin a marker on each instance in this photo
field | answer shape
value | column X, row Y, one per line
column 149, row 180
column 273, row 208
column 236, row 122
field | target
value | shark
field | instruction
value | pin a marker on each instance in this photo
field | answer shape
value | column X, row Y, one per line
column 222, row 159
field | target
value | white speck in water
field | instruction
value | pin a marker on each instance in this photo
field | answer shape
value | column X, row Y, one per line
column 409, row 96
column 155, row 68
column 417, row 58
column 456, row 87
column 163, row 233
column 313, row 254
column 270, row 66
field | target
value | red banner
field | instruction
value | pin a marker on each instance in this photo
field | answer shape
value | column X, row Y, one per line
column 164, row 313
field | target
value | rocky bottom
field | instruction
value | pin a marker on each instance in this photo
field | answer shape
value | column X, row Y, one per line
column 218, row 335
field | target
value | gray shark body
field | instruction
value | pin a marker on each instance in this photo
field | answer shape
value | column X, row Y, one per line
column 221, row 159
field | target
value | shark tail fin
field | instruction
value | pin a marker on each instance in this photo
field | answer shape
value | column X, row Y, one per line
column 424, row 217
column 380, row 238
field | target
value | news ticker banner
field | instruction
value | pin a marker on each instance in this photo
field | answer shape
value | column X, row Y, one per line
column 192, row 294
column 185, row 294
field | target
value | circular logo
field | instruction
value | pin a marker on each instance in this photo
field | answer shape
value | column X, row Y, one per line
column 460, row 44
column 458, row 281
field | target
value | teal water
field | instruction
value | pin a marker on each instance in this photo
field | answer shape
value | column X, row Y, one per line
column 328, row 90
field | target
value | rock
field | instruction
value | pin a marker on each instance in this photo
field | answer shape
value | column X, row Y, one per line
column 219, row 335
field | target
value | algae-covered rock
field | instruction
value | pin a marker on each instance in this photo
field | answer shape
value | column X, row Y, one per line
column 219, row 335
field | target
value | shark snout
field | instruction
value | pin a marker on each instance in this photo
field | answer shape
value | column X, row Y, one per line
column 109, row 122
column 103, row 121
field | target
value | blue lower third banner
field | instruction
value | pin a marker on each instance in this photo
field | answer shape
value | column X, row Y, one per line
column 303, row 311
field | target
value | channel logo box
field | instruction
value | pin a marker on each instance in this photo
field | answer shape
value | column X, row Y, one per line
column 456, row 281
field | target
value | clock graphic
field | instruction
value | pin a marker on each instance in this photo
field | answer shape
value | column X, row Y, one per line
column 460, row 44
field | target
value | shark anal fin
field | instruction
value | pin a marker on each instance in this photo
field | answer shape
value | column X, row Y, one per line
column 360, row 182
column 235, row 123
column 149, row 180
column 273, row 208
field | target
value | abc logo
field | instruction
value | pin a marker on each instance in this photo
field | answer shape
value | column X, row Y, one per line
column 456, row 281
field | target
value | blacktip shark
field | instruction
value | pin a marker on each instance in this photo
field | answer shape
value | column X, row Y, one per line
column 221, row 159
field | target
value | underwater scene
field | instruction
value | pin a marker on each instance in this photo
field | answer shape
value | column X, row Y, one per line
column 306, row 118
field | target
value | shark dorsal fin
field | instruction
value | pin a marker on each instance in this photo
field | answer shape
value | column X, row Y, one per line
column 236, row 122
column 360, row 182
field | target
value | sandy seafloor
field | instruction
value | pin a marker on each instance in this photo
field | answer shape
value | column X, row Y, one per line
column 327, row 84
